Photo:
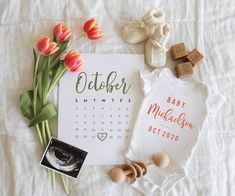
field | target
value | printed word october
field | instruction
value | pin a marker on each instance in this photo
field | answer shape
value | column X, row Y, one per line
column 97, row 83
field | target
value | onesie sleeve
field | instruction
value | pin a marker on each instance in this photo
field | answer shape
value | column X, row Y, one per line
column 215, row 102
column 147, row 79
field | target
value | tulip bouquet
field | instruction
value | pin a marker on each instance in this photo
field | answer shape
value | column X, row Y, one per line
column 49, row 67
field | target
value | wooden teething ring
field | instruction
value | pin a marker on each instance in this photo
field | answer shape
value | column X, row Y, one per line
column 138, row 170
column 129, row 167
column 143, row 167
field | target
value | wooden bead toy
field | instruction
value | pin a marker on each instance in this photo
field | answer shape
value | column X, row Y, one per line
column 161, row 160
column 127, row 168
column 143, row 167
column 194, row 57
column 178, row 51
column 118, row 175
column 184, row 69
column 138, row 170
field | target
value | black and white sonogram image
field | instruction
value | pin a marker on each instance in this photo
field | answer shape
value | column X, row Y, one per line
column 63, row 158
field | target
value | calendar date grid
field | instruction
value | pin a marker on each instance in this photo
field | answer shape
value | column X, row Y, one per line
column 106, row 121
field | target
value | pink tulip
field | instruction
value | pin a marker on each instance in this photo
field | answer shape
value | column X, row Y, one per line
column 73, row 61
column 62, row 32
column 47, row 47
column 92, row 29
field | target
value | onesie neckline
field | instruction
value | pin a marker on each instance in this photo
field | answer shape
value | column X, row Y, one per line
column 175, row 80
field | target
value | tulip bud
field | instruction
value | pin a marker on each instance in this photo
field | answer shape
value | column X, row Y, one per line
column 62, row 32
column 46, row 47
column 92, row 29
column 72, row 61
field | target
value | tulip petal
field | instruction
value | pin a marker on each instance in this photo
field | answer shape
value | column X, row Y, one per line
column 92, row 29
column 62, row 32
column 72, row 61
column 95, row 34
column 58, row 30
column 52, row 45
column 89, row 24
column 65, row 36
column 43, row 44
column 53, row 48
column 51, row 52
column 69, row 56
column 76, row 66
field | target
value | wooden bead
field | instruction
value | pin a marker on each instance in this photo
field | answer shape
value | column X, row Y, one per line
column 138, row 170
column 178, row 51
column 184, row 69
column 143, row 167
column 132, row 171
column 194, row 57
column 161, row 160
column 117, row 175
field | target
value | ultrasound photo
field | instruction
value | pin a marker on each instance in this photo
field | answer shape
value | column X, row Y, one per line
column 63, row 158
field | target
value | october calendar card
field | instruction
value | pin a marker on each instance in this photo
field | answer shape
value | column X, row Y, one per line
column 98, row 105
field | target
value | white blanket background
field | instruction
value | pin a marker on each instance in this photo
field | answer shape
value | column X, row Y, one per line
column 207, row 25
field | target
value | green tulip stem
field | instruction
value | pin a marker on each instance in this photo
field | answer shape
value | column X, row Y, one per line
column 52, row 172
column 35, row 72
column 35, row 98
column 44, row 134
column 48, row 131
column 66, row 188
column 35, row 86
column 53, row 179
column 76, row 40
column 52, row 85
column 39, row 135
column 55, row 61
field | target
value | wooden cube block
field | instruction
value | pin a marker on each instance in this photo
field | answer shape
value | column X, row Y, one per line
column 194, row 57
column 184, row 69
column 178, row 51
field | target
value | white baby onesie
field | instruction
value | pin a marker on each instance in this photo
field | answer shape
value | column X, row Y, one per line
column 170, row 120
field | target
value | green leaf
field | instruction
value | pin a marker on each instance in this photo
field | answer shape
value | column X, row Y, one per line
column 57, row 72
column 46, row 113
column 60, row 64
column 39, row 84
column 45, row 80
column 42, row 63
column 26, row 104
column 34, row 58
column 63, row 46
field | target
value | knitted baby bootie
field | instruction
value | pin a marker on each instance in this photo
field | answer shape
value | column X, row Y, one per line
column 139, row 30
column 155, row 47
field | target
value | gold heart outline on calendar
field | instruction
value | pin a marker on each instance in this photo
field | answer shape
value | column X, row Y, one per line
column 102, row 136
